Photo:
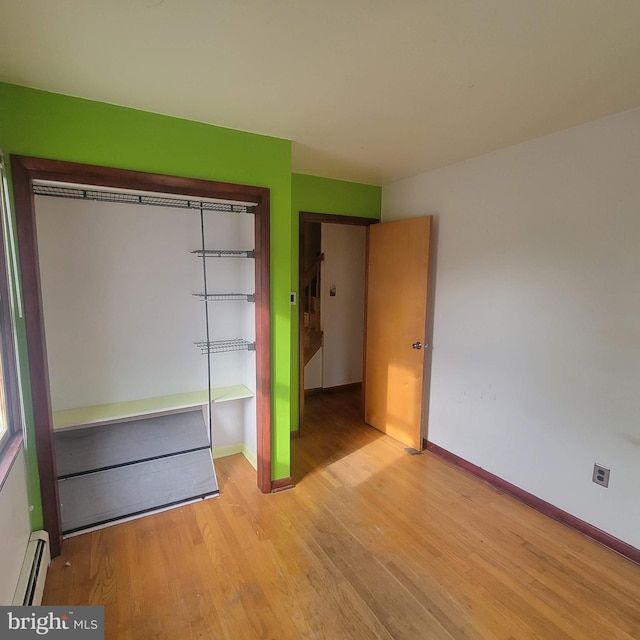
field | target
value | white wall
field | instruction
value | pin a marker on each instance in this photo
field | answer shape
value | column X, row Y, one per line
column 120, row 320
column 344, row 248
column 536, row 347
column 14, row 528
column 313, row 371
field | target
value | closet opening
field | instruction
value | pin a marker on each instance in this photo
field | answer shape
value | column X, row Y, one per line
column 147, row 321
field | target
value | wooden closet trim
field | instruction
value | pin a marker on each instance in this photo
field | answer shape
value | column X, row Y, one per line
column 27, row 169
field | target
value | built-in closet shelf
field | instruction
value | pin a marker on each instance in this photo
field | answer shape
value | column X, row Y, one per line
column 220, row 346
column 234, row 392
column 217, row 297
column 117, row 411
column 225, row 253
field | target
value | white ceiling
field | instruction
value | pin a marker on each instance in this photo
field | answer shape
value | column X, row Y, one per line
column 368, row 90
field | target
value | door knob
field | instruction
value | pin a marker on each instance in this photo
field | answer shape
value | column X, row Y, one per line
column 417, row 345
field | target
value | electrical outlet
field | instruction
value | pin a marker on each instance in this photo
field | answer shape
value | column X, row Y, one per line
column 601, row 475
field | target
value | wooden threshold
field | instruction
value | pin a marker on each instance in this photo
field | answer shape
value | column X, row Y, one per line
column 283, row 484
column 337, row 389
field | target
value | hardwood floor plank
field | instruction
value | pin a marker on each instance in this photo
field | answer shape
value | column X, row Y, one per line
column 372, row 543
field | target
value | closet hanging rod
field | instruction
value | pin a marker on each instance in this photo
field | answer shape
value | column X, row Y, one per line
column 122, row 197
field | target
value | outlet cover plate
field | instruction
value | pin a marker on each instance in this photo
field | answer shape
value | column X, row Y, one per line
column 601, row 475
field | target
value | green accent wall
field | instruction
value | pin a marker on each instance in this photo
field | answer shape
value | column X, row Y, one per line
column 322, row 195
column 43, row 124
column 327, row 195
column 48, row 125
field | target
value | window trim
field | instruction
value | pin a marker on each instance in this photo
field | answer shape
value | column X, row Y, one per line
column 9, row 455
column 13, row 440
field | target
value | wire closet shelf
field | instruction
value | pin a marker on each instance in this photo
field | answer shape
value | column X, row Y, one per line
column 224, row 253
column 123, row 197
column 217, row 297
column 221, row 346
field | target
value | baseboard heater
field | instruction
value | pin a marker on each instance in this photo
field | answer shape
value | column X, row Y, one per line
column 34, row 571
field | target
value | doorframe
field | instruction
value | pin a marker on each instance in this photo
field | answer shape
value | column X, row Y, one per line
column 323, row 218
column 25, row 170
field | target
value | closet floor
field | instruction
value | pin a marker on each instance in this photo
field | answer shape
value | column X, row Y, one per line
column 105, row 496
column 121, row 470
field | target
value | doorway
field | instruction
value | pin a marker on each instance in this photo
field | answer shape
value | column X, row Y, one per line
column 398, row 313
column 332, row 263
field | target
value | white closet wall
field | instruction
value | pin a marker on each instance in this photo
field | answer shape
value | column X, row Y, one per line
column 120, row 317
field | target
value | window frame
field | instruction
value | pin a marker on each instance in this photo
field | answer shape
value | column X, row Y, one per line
column 12, row 440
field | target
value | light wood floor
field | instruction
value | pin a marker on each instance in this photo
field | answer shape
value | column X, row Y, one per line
column 372, row 543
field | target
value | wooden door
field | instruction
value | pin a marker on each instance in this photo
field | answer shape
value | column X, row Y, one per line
column 396, row 327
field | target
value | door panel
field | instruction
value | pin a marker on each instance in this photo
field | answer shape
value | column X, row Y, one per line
column 396, row 327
